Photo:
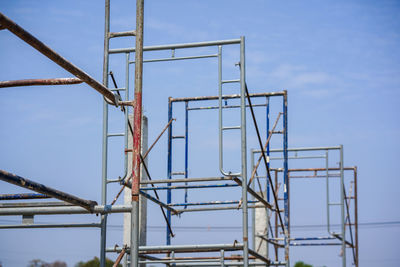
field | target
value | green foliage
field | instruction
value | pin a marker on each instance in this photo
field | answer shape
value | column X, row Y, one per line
column 302, row 264
column 95, row 263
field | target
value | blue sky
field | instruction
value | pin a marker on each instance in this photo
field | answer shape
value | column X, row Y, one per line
column 339, row 61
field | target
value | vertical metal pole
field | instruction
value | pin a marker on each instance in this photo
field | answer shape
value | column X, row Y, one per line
column 355, row 214
column 222, row 258
column 137, row 134
column 186, row 147
column 267, row 128
column 244, row 151
column 221, row 155
column 276, row 215
column 327, row 191
column 127, row 134
column 253, row 212
column 267, row 180
column 343, row 222
column 169, row 170
column 103, row 230
column 286, row 178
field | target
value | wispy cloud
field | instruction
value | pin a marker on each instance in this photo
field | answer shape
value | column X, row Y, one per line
column 300, row 76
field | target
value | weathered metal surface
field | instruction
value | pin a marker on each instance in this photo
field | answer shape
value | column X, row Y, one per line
column 56, row 58
column 121, row 34
column 33, row 82
column 35, row 204
column 230, row 106
column 254, row 194
column 188, row 186
column 236, row 207
column 188, row 180
column 40, row 188
column 208, row 203
column 204, row 98
column 174, row 46
column 22, row 196
column 99, row 209
column 120, row 256
column 40, row 226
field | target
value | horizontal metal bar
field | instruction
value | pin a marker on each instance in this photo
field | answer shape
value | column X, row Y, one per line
column 230, row 106
column 178, row 137
column 298, row 149
column 114, row 180
column 315, row 244
column 176, row 46
column 188, row 180
column 175, row 58
column 56, row 58
column 22, row 196
column 183, row 248
column 271, row 241
column 204, row 98
column 178, row 258
column 209, row 203
column 178, row 173
column 101, row 209
column 121, row 34
column 220, row 208
column 234, row 263
column 40, row 188
column 115, row 134
column 314, row 176
column 231, row 128
column 118, row 89
column 35, row 204
column 162, row 204
column 313, row 169
column 63, row 225
column 34, row 82
column 188, row 186
column 193, row 261
column 298, row 157
column 312, row 238
column 231, row 81
column 300, row 238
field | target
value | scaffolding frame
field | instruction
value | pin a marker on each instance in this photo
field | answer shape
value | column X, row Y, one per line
column 70, row 204
column 81, row 206
column 345, row 200
column 233, row 177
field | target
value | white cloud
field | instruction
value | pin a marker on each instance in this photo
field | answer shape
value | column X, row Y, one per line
column 300, row 77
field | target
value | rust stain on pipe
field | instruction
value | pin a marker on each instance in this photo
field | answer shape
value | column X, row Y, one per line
column 33, row 82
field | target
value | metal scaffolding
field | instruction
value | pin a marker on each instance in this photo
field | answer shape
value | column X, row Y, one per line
column 267, row 196
column 348, row 234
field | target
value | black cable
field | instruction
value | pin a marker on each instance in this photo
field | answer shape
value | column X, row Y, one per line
column 263, row 155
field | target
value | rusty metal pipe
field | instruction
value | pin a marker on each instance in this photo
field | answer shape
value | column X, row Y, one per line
column 22, row 196
column 137, row 135
column 40, row 188
column 56, row 58
column 205, row 98
column 120, row 256
column 33, row 82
